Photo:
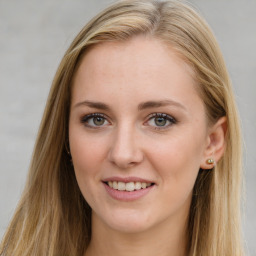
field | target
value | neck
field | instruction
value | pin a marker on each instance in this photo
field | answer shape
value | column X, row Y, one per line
column 164, row 240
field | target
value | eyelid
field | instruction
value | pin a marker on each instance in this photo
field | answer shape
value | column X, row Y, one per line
column 159, row 114
column 85, row 118
column 169, row 118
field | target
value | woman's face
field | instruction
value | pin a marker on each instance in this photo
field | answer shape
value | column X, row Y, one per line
column 138, row 134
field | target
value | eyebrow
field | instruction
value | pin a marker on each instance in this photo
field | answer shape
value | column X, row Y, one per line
column 92, row 104
column 161, row 103
column 141, row 106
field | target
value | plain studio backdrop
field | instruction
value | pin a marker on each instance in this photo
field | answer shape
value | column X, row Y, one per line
column 33, row 38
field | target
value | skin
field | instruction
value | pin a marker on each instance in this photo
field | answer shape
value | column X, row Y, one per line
column 129, row 142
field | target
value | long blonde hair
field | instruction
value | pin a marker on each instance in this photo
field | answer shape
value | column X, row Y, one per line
column 53, row 218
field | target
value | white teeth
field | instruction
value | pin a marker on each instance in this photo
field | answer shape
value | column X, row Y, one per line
column 137, row 185
column 115, row 184
column 129, row 186
column 110, row 183
column 121, row 185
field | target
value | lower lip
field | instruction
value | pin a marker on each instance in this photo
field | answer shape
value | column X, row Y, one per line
column 127, row 195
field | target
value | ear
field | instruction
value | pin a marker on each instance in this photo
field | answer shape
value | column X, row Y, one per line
column 215, row 144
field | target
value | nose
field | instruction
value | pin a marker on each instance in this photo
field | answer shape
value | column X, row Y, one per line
column 125, row 151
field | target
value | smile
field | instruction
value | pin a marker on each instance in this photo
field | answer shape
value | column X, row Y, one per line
column 128, row 186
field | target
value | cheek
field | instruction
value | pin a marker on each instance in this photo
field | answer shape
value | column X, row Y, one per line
column 179, row 150
column 88, row 152
column 178, row 159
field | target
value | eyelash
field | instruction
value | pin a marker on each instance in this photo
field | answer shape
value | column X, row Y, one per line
column 85, row 120
column 165, row 117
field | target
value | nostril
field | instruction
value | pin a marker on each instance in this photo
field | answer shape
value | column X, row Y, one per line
column 125, row 151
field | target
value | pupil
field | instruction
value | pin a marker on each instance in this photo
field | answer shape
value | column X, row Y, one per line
column 160, row 121
column 98, row 120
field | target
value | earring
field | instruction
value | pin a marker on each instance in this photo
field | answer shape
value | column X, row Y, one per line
column 210, row 161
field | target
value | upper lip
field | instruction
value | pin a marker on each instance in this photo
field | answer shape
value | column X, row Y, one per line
column 127, row 179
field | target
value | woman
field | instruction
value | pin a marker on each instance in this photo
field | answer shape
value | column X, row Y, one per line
column 139, row 149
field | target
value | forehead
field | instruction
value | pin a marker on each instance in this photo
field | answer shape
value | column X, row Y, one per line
column 140, row 69
column 142, row 50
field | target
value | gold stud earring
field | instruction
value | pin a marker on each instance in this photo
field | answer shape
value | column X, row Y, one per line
column 210, row 161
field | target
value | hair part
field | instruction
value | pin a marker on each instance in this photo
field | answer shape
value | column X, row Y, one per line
column 53, row 218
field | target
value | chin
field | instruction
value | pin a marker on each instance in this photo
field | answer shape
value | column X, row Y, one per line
column 127, row 222
column 130, row 226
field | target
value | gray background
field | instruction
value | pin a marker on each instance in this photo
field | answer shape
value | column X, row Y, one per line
column 33, row 38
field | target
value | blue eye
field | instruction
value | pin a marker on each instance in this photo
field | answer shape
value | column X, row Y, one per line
column 95, row 120
column 160, row 120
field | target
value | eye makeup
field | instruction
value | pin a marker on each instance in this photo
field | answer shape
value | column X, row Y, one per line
column 160, row 121
column 95, row 120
